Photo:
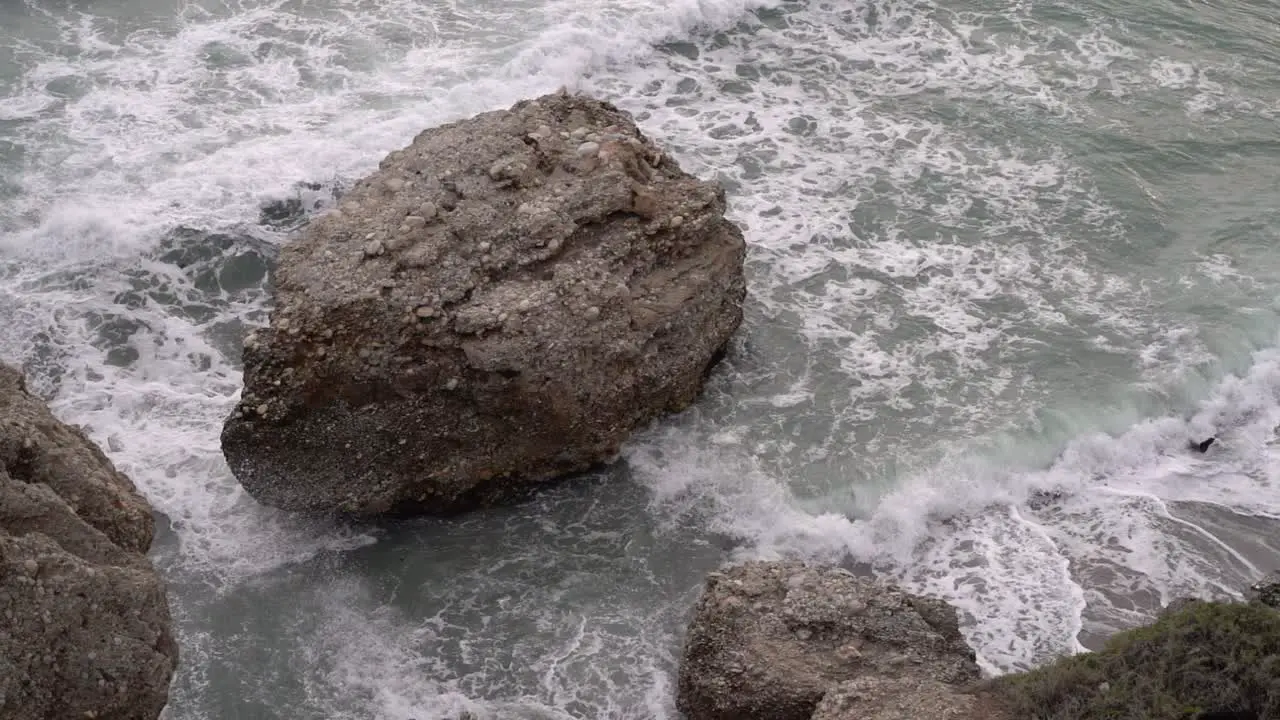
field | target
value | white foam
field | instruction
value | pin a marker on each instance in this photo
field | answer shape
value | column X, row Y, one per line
column 159, row 422
column 928, row 262
column 195, row 126
column 963, row 529
column 921, row 266
column 197, row 123
column 370, row 661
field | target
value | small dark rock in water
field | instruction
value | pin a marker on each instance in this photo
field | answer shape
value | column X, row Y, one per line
column 187, row 247
column 1042, row 498
column 290, row 212
column 1203, row 445
column 244, row 271
column 281, row 212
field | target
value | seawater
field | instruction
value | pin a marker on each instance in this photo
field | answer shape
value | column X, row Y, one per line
column 996, row 248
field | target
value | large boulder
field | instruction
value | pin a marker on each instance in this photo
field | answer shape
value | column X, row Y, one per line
column 502, row 303
column 85, row 630
column 769, row 640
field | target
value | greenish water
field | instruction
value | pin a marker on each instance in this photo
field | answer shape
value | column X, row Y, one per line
column 995, row 248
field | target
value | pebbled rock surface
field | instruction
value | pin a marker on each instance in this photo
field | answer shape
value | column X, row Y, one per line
column 891, row 698
column 768, row 640
column 502, row 303
column 85, row 630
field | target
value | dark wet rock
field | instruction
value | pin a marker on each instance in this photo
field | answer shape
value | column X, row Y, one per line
column 501, row 304
column 227, row 337
column 213, row 271
column 242, row 272
column 204, row 256
column 290, row 212
column 282, row 212
column 85, row 630
column 1041, row 499
column 1202, row 445
column 1267, row 590
column 769, row 640
column 114, row 336
column 197, row 276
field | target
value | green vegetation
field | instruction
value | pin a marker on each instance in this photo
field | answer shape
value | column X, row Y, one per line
column 1204, row 657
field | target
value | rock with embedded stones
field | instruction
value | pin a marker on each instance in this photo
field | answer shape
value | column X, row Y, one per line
column 892, row 698
column 768, row 640
column 502, row 303
column 85, row 630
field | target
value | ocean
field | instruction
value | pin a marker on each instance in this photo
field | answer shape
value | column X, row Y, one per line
column 1006, row 260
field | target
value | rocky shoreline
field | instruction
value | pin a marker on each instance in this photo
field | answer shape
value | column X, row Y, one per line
column 85, row 630
column 794, row 641
column 499, row 306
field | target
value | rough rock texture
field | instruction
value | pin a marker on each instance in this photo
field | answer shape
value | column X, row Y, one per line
column 887, row 698
column 85, row 630
column 502, row 303
column 769, row 639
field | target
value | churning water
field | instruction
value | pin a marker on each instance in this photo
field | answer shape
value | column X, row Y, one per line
column 997, row 249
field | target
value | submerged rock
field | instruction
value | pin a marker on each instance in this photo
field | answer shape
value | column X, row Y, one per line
column 769, row 640
column 85, row 630
column 289, row 212
column 502, row 303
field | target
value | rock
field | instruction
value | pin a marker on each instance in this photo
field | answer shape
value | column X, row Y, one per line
column 1267, row 590
column 889, row 698
column 85, row 629
column 768, row 640
column 284, row 213
column 537, row 308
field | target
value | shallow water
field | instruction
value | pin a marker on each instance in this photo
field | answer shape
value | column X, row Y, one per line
column 996, row 247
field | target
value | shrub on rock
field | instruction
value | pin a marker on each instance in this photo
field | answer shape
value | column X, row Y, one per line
column 1200, row 659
